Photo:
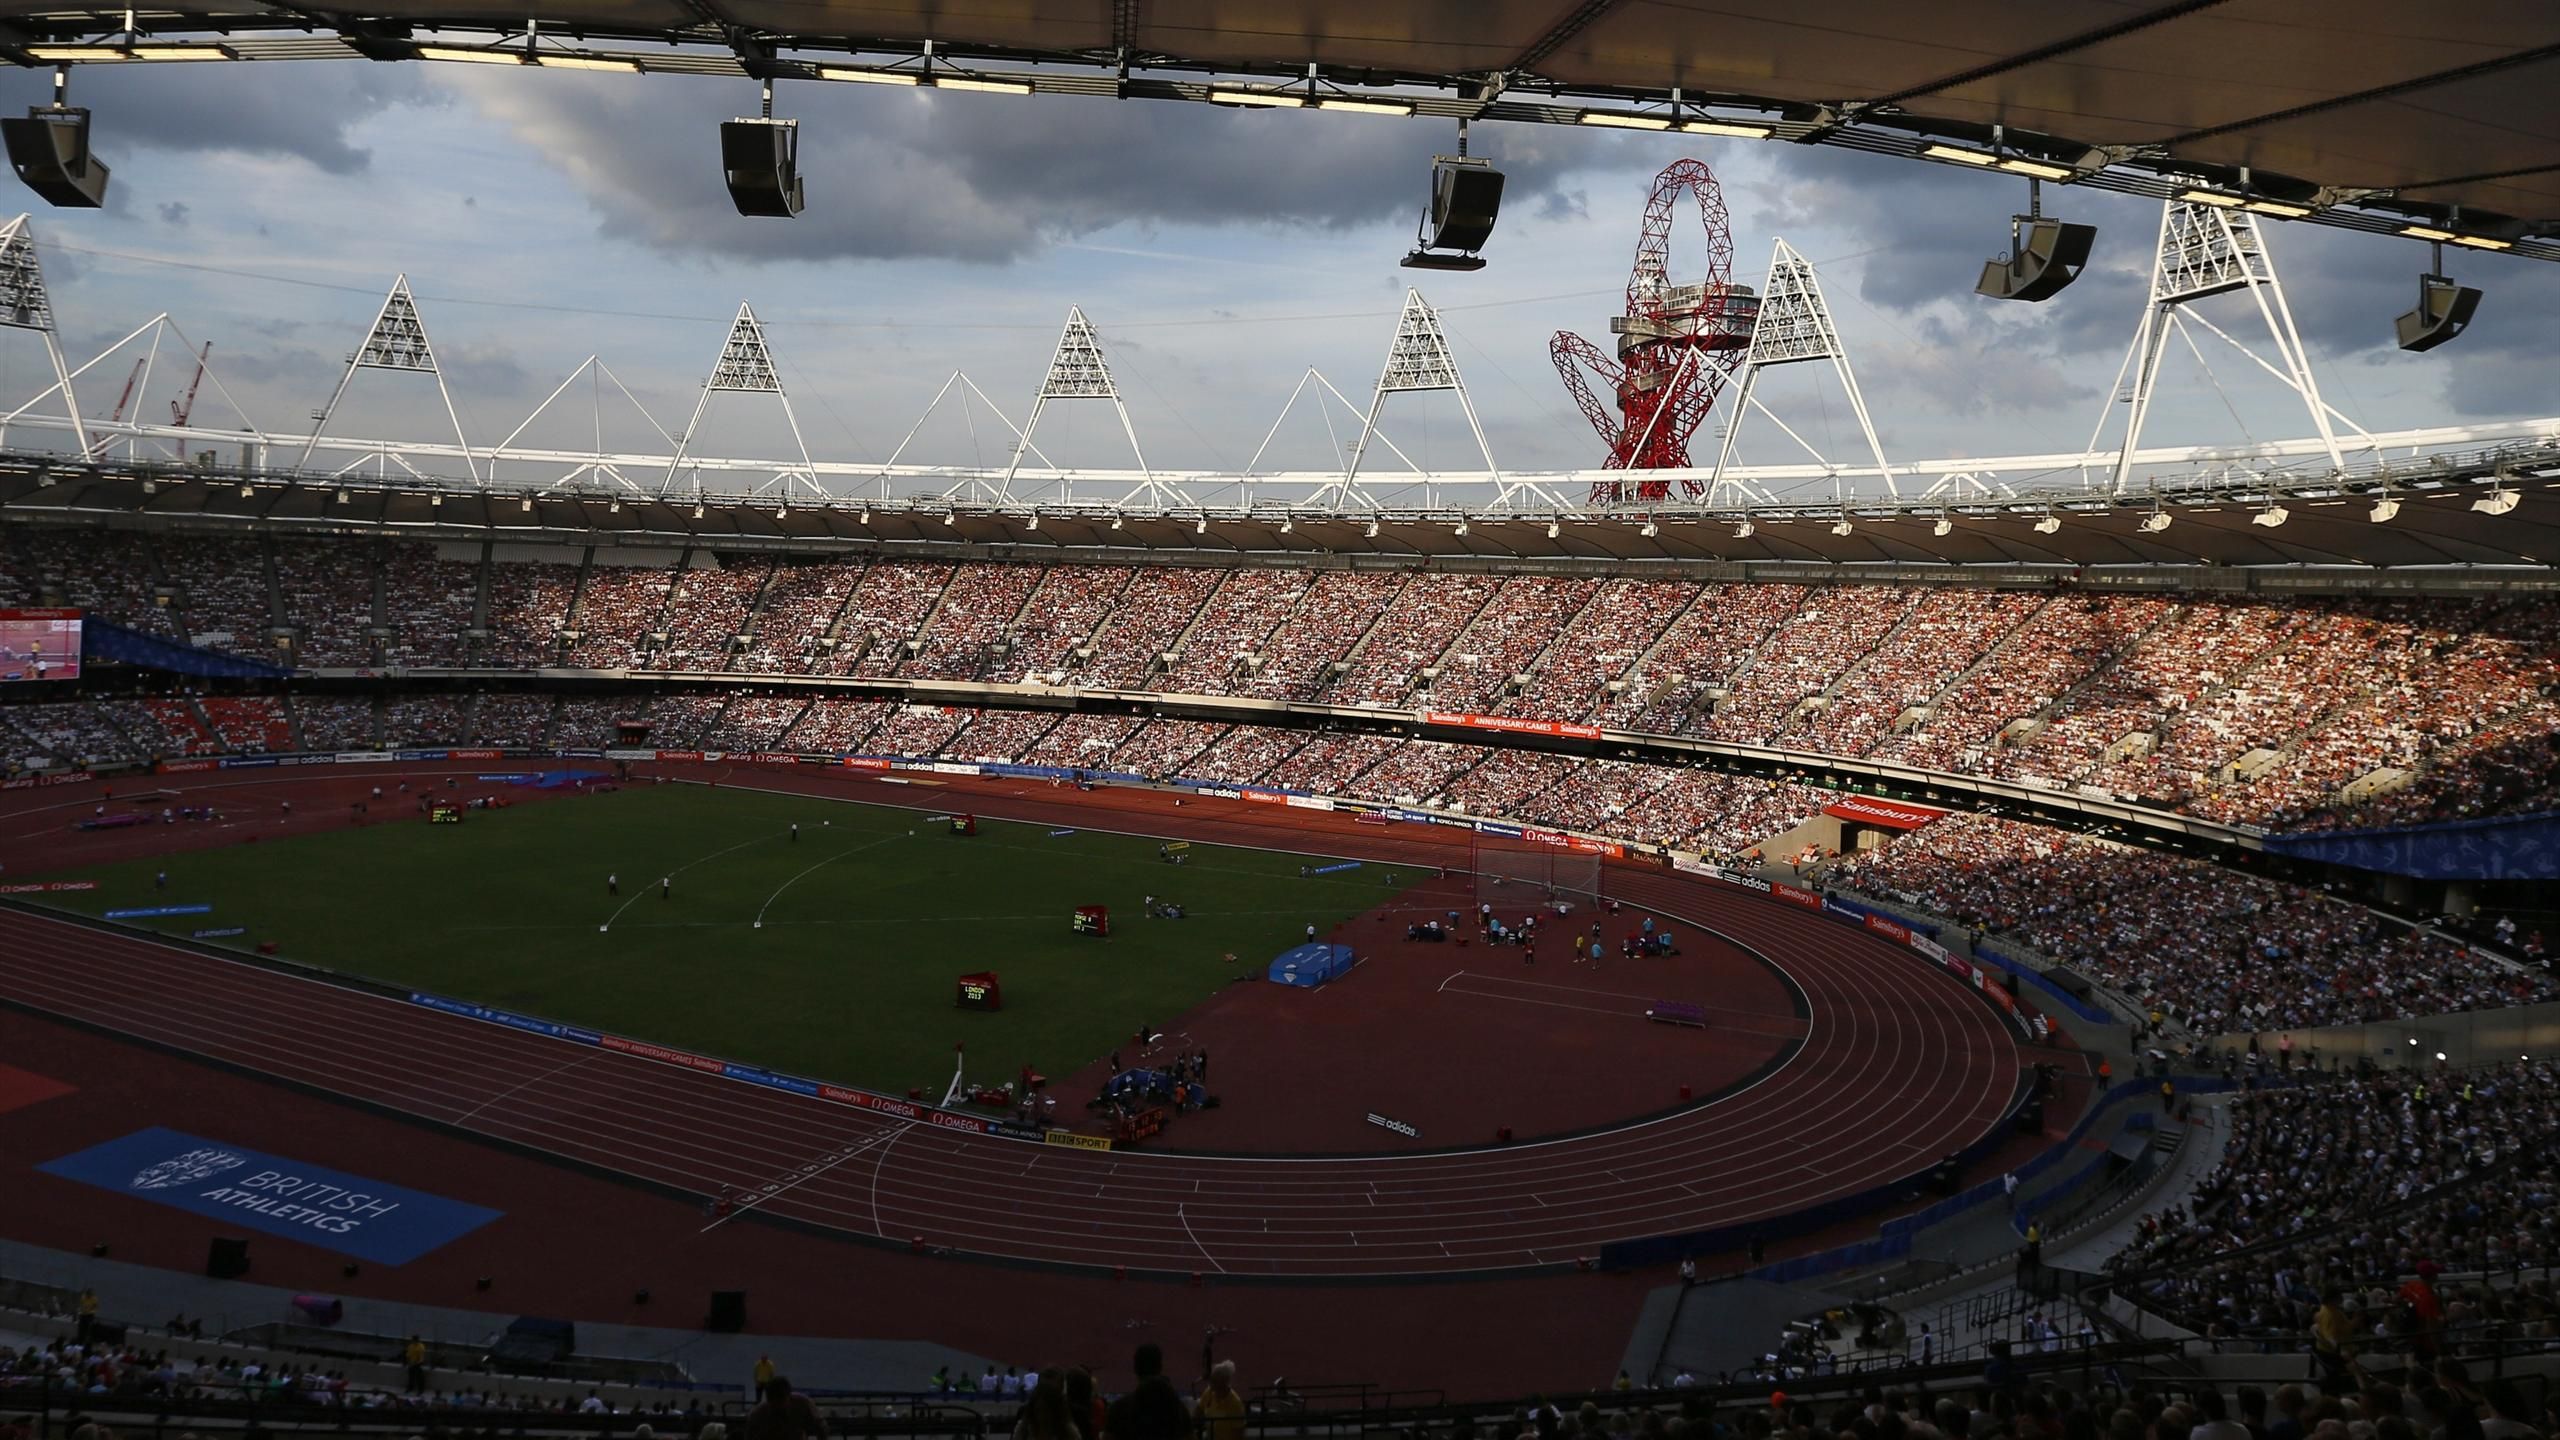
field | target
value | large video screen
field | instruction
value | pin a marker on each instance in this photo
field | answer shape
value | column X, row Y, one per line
column 39, row 645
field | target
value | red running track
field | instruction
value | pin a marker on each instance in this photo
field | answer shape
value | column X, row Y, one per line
column 1901, row 1066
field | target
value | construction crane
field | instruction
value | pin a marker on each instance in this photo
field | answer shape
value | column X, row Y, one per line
column 99, row 446
column 180, row 409
column 1677, row 345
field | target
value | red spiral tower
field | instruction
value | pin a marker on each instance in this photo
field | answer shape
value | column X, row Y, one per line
column 1677, row 345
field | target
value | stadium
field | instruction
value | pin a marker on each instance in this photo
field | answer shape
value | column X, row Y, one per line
column 599, row 929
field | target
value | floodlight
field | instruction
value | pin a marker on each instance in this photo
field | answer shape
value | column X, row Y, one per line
column 1621, row 120
column 870, row 77
column 1270, row 99
column 1364, row 107
column 987, row 87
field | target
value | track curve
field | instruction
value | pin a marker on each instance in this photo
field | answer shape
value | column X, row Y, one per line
column 1901, row 1067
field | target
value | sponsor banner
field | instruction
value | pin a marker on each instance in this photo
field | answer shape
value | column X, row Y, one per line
column 865, row 762
column 1557, row 838
column 769, row 757
column 1930, row 948
column 218, row 932
column 579, row 754
column 665, row 1056
column 68, row 777
column 369, row 757
column 1698, row 867
column 1335, row 869
column 406, row 756
column 1265, row 797
column 249, row 762
column 1889, row 929
column 147, row 911
column 368, row 1219
column 185, row 767
column 1496, row 827
column 1892, row 814
column 1794, row 896
column 1398, row 1126
column 1310, row 802
column 951, row 767
column 47, row 887
column 475, row 754
column 1747, row 882
column 620, row 754
column 969, row 1124
column 1080, row 1142
column 39, row 614
column 1054, row 834
column 682, row 756
column 1589, row 846
column 508, row 777
column 1512, row 723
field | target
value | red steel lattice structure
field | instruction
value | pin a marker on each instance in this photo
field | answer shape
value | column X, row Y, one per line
column 1677, row 345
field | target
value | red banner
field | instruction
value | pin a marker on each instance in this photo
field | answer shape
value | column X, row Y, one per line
column 39, row 614
column 1889, row 929
column 647, row 1051
column 1513, row 724
column 866, row 762
column 772, row 757
column 1793, row 896
column 683, row 755
column 1892, row 814
column 185, row 767
column 1264, row 797
column 475, row 755
column 47, row 887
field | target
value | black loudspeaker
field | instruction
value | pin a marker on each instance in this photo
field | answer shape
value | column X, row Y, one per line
column 1465, row 197
column 728, row 1312
column 50, row 150
column 761, row 161
column 2031, row 1118
column 2444, row 310
column 227, row 1258
column 2045, row 255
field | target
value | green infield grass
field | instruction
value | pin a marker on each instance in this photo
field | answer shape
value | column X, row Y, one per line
column 834, row 956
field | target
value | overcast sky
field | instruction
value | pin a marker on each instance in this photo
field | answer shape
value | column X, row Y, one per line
column 544, row 216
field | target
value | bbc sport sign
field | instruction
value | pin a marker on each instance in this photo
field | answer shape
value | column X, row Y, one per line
column 368, row 1219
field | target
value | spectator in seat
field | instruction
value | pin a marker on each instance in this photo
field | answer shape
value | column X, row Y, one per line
column 1152, row 1411
column 1047, row 1415
column 1221, row 1408
column 783, row 1415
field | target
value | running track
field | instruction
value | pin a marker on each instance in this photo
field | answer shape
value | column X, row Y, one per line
column 1901, row 1067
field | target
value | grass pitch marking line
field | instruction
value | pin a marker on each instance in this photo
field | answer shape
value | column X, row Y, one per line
column 671, row 874
column 814, row 869
column 806, row 1173
column 1179, row 1213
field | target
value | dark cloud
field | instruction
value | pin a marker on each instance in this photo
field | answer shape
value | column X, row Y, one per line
column 173, row 212
column 987, row 179
column 305, row 111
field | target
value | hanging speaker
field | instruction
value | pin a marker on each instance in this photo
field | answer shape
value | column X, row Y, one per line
column 49, row 148
column 2444, row 311
column 2044, row 256
column 1466, row 195
column 760, row 159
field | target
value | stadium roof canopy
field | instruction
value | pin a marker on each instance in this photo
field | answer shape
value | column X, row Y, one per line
column 2373, row 114
column 2498, row 527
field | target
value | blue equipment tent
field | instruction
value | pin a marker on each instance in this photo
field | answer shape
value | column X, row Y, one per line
column 1311, row 965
